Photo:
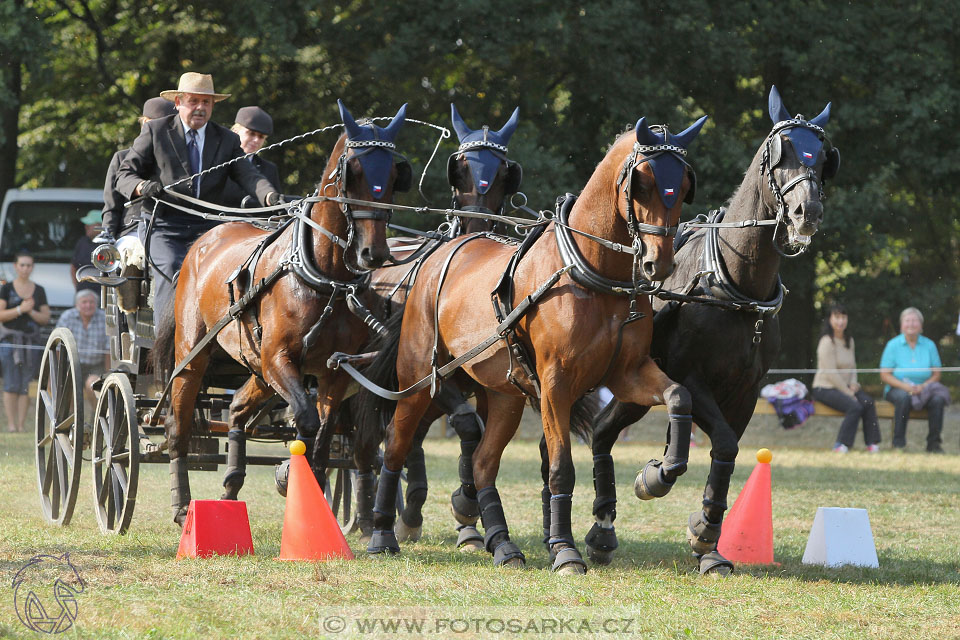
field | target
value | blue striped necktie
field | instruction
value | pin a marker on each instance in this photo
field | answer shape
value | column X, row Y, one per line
column 193, row 150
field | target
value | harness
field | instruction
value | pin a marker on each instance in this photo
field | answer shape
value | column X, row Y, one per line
column 299, row 261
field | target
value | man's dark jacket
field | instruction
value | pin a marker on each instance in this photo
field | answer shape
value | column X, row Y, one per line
column 160, row 153
column 117, row 219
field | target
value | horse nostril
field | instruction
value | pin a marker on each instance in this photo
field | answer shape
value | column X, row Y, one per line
column 649, row 268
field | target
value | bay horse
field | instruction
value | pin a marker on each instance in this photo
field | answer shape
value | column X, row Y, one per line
column 296, row 281
column 721, row 348
column 481, row 176
column 582, row 318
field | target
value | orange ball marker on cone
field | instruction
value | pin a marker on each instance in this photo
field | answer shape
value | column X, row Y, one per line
column 310, row 530
column 747, row 534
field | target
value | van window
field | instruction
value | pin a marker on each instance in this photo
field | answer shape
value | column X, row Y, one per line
column 48, row 230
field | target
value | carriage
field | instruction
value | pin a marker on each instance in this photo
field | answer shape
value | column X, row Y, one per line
column 118, row 437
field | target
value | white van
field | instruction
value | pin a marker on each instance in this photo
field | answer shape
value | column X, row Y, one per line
column 45, row 222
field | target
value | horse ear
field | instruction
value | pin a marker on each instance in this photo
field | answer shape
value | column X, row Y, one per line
column 459, row 125
column 824, row 117
column 392, row 129
column 778, row 112
column 353, row 129
column 644, row 135
column 506, row 131
column 687, row 136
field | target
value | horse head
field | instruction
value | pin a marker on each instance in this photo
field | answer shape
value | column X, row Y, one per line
column 796, row 162
column 654, row 181
column 480, row 174
column 370, row 169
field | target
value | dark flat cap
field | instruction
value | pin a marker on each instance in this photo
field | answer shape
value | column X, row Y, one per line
column 158, row 108
column 255, row 118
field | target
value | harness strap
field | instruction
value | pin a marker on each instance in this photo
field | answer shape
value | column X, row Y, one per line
column 233, row 313
column 338, row 360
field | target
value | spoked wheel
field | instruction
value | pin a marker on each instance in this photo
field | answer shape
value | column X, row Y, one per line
column 116, row 455
column 341, row 485
column 59, row 427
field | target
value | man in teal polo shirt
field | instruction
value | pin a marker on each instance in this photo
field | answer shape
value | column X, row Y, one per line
column 910, row 368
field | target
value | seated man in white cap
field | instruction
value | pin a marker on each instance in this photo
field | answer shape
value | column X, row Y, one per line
column 253, row 125
column 180, row 150
column 84, row 248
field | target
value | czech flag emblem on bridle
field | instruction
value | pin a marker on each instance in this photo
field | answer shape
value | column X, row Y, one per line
column 807, row 154
column 377, row 188
column 668, row 192
column 484, row 183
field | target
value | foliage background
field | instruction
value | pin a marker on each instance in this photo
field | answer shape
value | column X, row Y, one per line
column 74, row 74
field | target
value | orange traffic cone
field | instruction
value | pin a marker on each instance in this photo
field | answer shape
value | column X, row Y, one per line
column 310, row 530
column 215, row 527
column 747, row 534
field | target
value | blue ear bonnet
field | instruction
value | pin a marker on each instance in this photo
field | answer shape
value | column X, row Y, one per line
column 376, row 157
column 665, row 152
column 806, row 141
column 485, row 150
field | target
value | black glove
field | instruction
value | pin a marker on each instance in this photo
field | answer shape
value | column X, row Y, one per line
column 151, row 189
column 273, row 198
column 104, row 237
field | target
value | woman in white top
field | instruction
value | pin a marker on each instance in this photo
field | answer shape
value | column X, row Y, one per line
column 835, row 384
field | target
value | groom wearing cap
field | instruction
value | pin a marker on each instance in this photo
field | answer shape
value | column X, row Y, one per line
column 253, row 125
column 173, row 150
column 119, row 220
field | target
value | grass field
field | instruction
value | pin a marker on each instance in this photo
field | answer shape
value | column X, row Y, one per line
column 136, row 589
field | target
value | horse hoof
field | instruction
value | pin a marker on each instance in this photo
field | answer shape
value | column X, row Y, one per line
column 513, row 563
column 698, row 546
column 365, row 538
column 598, row 556
column 471, row 547
column 714, row 564
column 571, row 569
column 407, row 534
column 469, row 520
column 469, row 539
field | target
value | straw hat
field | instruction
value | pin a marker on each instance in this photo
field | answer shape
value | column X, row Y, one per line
column 199, row 83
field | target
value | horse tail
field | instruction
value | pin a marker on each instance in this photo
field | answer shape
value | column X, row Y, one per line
column 373, row 412
column 583, row 415
column 163, row 344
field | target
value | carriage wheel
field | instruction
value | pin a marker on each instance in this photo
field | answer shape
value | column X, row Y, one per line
column 59, row 427
column 116, row 455
column 341, row 485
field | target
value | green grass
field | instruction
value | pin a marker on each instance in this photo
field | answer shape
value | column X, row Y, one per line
column 136, row 589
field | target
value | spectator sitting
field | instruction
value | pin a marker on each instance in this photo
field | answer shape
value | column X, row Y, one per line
column 84, row 248
column 835, row 384
column 23, row 310
column 910, row 367
column 87, row 322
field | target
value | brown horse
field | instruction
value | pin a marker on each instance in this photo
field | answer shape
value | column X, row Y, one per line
column 298, row 316
column 481, row 177
column 581, row 332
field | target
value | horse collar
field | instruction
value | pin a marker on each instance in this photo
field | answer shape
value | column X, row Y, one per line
column 718, row 281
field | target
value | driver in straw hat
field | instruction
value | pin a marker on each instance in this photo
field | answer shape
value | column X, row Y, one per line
column 178, row 148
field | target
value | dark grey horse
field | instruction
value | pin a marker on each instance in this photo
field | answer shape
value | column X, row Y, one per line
column 721, row 347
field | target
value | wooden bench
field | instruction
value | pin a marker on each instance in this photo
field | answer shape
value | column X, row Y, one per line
column 885, row 410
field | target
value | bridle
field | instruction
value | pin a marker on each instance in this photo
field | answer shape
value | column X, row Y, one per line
column 339, row 183
column 645, row 153
column 499, row 151
column 771, row 158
